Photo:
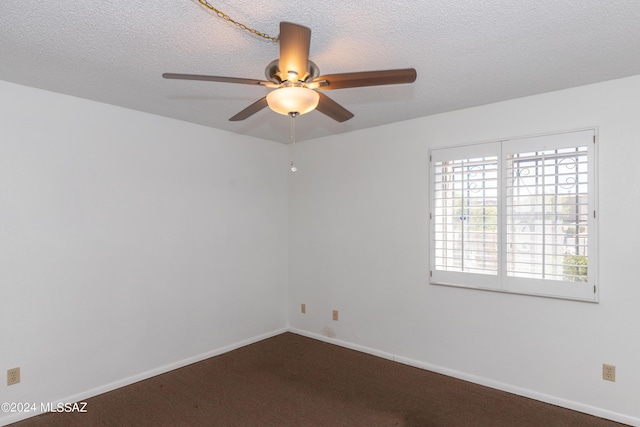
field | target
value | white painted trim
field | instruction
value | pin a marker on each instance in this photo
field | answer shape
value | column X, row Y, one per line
column 341, row 343
column 569, row 404
column 78, row 397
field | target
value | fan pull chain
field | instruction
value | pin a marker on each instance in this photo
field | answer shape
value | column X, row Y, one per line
column 226, row 17
column 292, row 163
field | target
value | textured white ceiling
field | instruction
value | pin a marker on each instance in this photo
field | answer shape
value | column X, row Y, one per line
column 466, row 53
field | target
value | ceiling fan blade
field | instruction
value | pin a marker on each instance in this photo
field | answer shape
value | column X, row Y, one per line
column 294, row 49
column 332, row 109
column 367, row 78
column 215, row 79
column 250, row 110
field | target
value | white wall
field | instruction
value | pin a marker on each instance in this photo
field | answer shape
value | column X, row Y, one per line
column 130, row 244
column 359, row 243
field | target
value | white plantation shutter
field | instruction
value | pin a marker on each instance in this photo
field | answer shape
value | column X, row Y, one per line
column 465, row 199
column 516, row 216
column 549, row 210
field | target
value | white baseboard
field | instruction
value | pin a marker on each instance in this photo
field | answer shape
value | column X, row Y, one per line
column 78, row 397
column 341, row 343
column 569, row 404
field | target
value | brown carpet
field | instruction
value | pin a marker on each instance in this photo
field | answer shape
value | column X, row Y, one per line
column 290, row 380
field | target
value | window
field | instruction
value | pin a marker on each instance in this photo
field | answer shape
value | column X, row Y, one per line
column 516, row 216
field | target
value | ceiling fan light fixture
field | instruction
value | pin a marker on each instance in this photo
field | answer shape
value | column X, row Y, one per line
column 293, row 99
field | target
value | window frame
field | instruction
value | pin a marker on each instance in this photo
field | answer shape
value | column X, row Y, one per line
column 579, row 291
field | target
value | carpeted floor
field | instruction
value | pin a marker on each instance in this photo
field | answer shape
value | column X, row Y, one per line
column 290, row 380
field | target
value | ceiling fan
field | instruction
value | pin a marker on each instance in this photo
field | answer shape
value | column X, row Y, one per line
column 297, row 82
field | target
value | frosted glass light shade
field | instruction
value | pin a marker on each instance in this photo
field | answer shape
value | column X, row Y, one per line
column 293, row 100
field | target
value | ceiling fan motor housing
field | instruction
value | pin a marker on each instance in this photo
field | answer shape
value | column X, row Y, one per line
column 274, row 74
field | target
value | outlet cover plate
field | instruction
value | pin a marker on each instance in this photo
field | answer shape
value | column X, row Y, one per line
column 608, row 372
column 13, row 376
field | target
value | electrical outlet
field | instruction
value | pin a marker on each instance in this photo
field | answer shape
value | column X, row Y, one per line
column 608, row 372
column 335, row 314
column 13, row 376
column 303, row 308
